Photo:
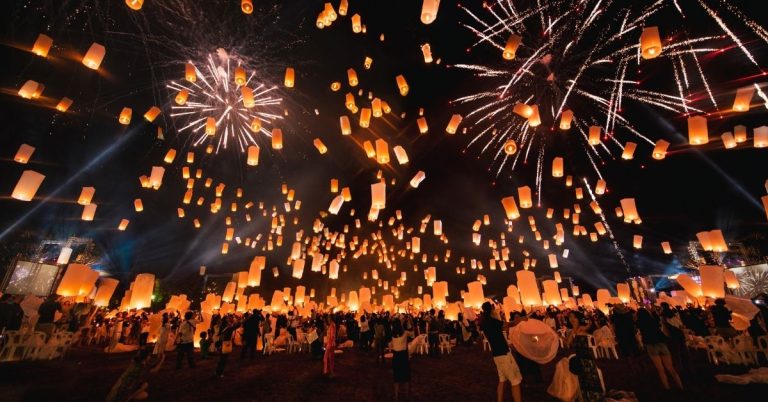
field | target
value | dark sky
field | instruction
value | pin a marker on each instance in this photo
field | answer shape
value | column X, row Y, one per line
column 691, row 190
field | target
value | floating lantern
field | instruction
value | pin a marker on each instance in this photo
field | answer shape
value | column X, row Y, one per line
column 522, row 110
column 529, row 288
column 622, row 290
column 743, row 99
column 141, row 291
column 510, row 147
column 510, row 207
column 357, row 25
column 524, row 194
column 78, row 280
column 637, row 241
column 534, row 120
column 557, row 167
column 697, row 130
column 379, row 195
column 761, row 137
column 712, row 281
column 123, row 224
column 453, row 124
column 731, row 281
column 650, row 43
column 666, row 247
column 253, row 155
column 89, row 211
column 24, row 154
column 134, row 4
column 418, row 178
column 190, row 73
column 553, row 261
column 318, row 143
column 105, row 291
column 352, row 77
column 629, row 151
column 660, row 150
column 740, row 134
column 289, row 77
column 27, row 186
column 594, row 135
column 181, row 97
column 565, row 120
column 421, row 122
column 28, row 90
column 629, row 210
column 248, row 99
column 402, row 85
column 365, row 117
column 42, row 45
column 513, row 42
column 427, row 53
column 86, row 195
column 346, row 128
column 401, row 155
column 600, row 187
column 64, row 104
column 152, row 113
column 277, row 138
column 94, row 56
column 382, row 151
column 125, row 116
column 728, row 140
column 246, row 6
column 429, row 11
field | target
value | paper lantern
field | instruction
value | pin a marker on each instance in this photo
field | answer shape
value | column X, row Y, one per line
column 600, row 187
column 352, row 77
column 510, row 207
column 89, row 211
column 698, row 133
column 400, row 154
column 637, row 241
column 346, row 128
column 510, row 147
column 557, row 167
column 565, row 120
column 105, row 291
column 712, row 281
column 125, row 116
column 622, row 289
column 141, row 291
column 761, row 137
column 524, row 194
column 660, row 150
column 418, row 178
column 134, row 4
column 277, row 138
column 333, row 270
column 64, row 104
column 534, row 120
column 529, row 288
column 253, row 155
column 298, row 268
column 246, row 6
column 289, row 77
column 28, row 90
column 379, row 195
column 743, row 99
column 156, row 177
column 666, row 247
column 453, row 124
column 740, row 133
column 629, row 210
column 357, row 25
column 94, row 56
column 650, row 43
column 513, row 42
column 382, row 151
column 138, row 205
column 731, row 281
column 27, row 186
column 123, row 224
column 402, row 85
column 427, row 53
column 152, row 114
column 365, row 117
column 728, row 140
column 254, row 272
column 64, row 255
column 247, row 94
column 522, row 110
column 629, row 151
column 24, row 154
column 551, row 293
column 78, row 280
column 422, row 124
column 553, row 261
column 42, row 45
column 594, row 135
column 343, row 6
column 429, row 11
column 689, row 285
column 229, row 292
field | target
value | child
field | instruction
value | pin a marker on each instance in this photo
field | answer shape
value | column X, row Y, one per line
column 205, row 345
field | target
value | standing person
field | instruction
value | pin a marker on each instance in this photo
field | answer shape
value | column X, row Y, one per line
column 433, row 334
column 365, row 333
column 224, row 346
column 47, row 313
column 330, row 347
column 624, row 327
column 379, row 338
column 144, row 330
column 185, row 340
column 162, row 339
column 672, row 327
column 654, row 341
column 400, row 366
column 250, row 336
column 506, row 366
column 11, row 314
column 722, row 318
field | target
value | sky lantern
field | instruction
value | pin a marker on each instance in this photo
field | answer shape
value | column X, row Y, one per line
column 557, row 167
column 510, row 49
column 253, row 155
column 629, row 210
column 421, row 122
column 94, row 56
column 429, row 11
column 666, row 247
column 400, row 154
column 402, row 85
column 426, row 51
column 510, row 147
column 510, row 207
column 27, row 186
column 418, row 178
column 600, row 187
column 522, row 110
column 42, row 45
column 698, row 134
column 246, row 6
column 190, row 74
column 594, row 135
column 352, row 77
column 565, row 119
column 24, row 154
column 125, row 116
column 731, row 281
column 453, row 124
column 318, row 143
column 156, row 177
column 365, row 117
column 298, row 268
column 712, row 281
column 369, row 150
column 629, row 151
column 28, row 90
column 382, row 151
column 86, row 195
column 650, row 43
column 78, row 280
column 524, row 194
column 357, row 25
column 367, row 62
column 89, row 211
column 105, row 291
column 761, row 136
column 728, row 140
column 134, row 4
column 64, row 104
column 152, row 113
column 637, row 241
column 622, row 290
column 289, row 77
column 170, row 156
column 379, row 195
column 346, row 128
column 138, row 205
column 277, row 138
column 181, row 97
column 553, row 261
column 660, row 150
column 336, row 204
column 343, row 7
column 529, row 288
column 141, row 291
column 123, row 224
column 534, row 120
column 740, row 133
column 247, row 94
column 743, row 99
column 376, row 107
column 551, row 293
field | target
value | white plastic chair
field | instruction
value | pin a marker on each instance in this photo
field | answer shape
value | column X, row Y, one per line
column 486, row 344
column 15, row 346
column 422, row 347
column 268, row 348
column 36, row 346
column 292, row 346
column 445, row 343
column 716, row 349
column 762, row 345
column 746, row 349
column 592, row 345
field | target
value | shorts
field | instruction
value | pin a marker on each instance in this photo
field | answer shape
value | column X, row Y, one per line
column 657, row 349
column 508, row 369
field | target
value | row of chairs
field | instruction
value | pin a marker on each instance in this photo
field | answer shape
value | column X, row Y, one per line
column 743, row 350
column 29, row 345
column 444, row 344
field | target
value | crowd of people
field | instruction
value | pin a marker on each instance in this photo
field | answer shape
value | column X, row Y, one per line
column 656, row 331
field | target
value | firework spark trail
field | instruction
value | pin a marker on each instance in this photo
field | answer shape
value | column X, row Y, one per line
column 727, row 30
column 607, row 226
column 762, row 95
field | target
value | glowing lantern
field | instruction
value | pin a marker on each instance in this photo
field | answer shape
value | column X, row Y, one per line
column 365, row 117
column 247, row 94
column 105, row 291
column 125, row 116
column 156, row 177
column 418, row 178
column 346, row 128
column 426, row 52
column 524, row 194
column 600, row 187
column 529, row 288
column 522, row 110
column 379, row 195
column 534, row 120
column 277, row 138
column 369, row 150
column 474, row 296
column 553, row 261
column 357, row 25
column 740, row 133
column 123, row 224
column 422, row 123
column 565, row 120
column 557, row 167
column 289, row 77
column 24, row 154
column 152, row 114
column 510, row 147
column 42, row 45
column 629, row 151
column 743, row 99
column 637, row 241
column 594, row 135
column 27, row 185
column 28, row 90
column 551, row 293
column 89, row 211
column 660, row 150
column 761, row 137
column 64, row 104
column 402, row 85
column 622, row 290
column 728, row 140
column 697, row 130
column 402, row 156
column 86, row 195
column 78, row 280
column 650, row 43
column 666, row 247
column 181, row 97
column 298, row 268
column 513, row 42
column 134, row 4
column 352, row 77
column 343, row 6
column 510, row 207
column 94, row 56
column 367, row 63
column 429, row 11
column 629, row 210
column 382, row 151
column 453, row 124
column 731, row 280
column 318, row 143
column 246, row 6
column 138, row 205
column 141, row 291
column 712, row 281
column 253, row 155
column 189, row 72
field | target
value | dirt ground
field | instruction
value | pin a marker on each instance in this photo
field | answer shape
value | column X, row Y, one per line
column 468, row 374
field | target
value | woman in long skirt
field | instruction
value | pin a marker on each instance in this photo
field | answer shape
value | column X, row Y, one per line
column 400, row 366
column 330, row 346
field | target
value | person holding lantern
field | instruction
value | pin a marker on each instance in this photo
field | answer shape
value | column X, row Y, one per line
column 506, row 365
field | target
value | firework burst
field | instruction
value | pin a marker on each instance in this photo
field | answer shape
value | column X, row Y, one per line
column 222, row 103
column 570, row 65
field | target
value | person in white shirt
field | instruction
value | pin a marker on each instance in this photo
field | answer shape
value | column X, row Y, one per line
column 186, row 339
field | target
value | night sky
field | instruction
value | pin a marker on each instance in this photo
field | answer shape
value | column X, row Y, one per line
column 692, row 190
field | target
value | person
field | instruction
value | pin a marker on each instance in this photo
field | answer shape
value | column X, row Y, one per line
column 578, row 326
column 722, row 318
column 205, row 345
column 365, row 333
column 11, row 314
column 400, row 366
column 162, row 339
column 379, row 338
column 266, row 329
column 250, row 336
column 131, row 386
column 185, row 340
column 624, row 327
column 144, row 330
column 330, row 347
column 433, row 334
column 506, row 366
column 654, row 342
column 224, row 346
column 672, row 326
column 47, row 314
